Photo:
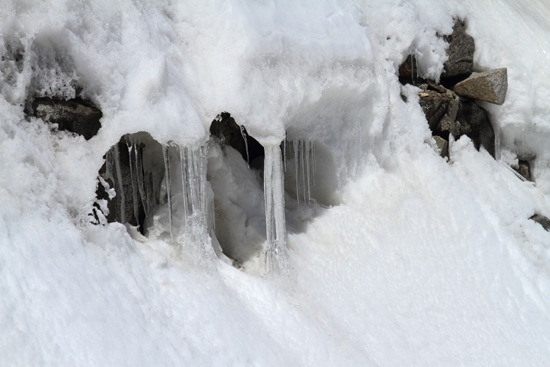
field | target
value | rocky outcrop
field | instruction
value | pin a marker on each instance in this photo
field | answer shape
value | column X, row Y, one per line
column 460, row 52
column 490, row 86
column 542, row 220
column 74, row 115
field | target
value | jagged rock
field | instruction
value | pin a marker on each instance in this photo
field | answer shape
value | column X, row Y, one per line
column 230, row 133
column 434, row 105
column 448, row 123
column 441, row 110
column 474, row 122
column 490, row 86
column 542, row 220
column 74, row 115
column 524, row 169
column 442, row 146
column 460, row 52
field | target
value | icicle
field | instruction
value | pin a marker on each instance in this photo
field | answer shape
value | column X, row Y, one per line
column 120, row 185
column 184, row 185
column 284, row 152
column 138, row 156
column 302, row 163
column 297, row 166
column 274, row 206
column 244, row 135
column 167, row 179
column 130, row 147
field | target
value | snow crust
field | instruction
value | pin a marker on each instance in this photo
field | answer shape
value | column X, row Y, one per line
column 411, row 261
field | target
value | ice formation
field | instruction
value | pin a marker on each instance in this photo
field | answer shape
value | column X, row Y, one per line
column 390, row 255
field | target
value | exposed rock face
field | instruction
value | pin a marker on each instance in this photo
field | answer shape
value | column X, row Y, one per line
column 490, row 86
column 74, row 115
column 460, row 52
column 442, row 146
column 474, row 122
column 230, row 133
column 542, row 220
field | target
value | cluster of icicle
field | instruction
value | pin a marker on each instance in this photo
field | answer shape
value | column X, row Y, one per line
column 304, row 165
column 189, row 214
column 185, row 168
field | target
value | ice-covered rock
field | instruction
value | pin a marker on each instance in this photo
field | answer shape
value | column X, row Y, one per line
column 490, row 86
column 74, row 115
column 460, row 52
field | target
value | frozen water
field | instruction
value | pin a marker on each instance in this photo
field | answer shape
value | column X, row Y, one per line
column 403, row 259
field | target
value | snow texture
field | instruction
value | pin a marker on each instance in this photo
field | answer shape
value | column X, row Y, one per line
column 396, row 258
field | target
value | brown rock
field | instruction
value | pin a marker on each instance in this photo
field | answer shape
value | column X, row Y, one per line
column 490, row 86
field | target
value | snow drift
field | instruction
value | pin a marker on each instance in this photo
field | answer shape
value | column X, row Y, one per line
column 402, row 258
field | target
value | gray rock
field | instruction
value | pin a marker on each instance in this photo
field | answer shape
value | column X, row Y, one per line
column 74, row 115
column 448, row 122
column 442, row 146
column 490, row 86
column 474, row 122
column 460, row 52
column 542, row 220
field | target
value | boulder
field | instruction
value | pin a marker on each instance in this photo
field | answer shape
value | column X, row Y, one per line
column 74, row 115
column 460, row 52
column 542, row 220
column 490, row 86
column 442, row 146
column 474, row 122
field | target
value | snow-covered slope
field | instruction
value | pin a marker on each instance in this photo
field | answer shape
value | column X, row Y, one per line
column 415, row 262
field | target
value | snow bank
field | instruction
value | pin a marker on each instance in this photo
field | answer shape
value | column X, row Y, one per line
column 421, row 262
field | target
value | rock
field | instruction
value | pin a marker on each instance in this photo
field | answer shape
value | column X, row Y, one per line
column 230, row 133
column 490, row 86
column 474, row 122
column 442, row 146
column 441, row 110
column 542, row 220
column 524, row 169
column 448, row 123
column 434, row 105
column 460, row 52
column 74, row 115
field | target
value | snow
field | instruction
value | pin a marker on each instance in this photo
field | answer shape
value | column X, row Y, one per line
column 401, row 258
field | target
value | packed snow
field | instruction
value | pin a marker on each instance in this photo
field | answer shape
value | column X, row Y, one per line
column 357, row 245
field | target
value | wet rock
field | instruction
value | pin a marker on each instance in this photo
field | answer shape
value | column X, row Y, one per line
column 442, row 146
column 542, row 220
column 460, row 52
column 74, row 115
column 448, row 123
column 490, row 86
column 474, row 122
column 230, row 133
